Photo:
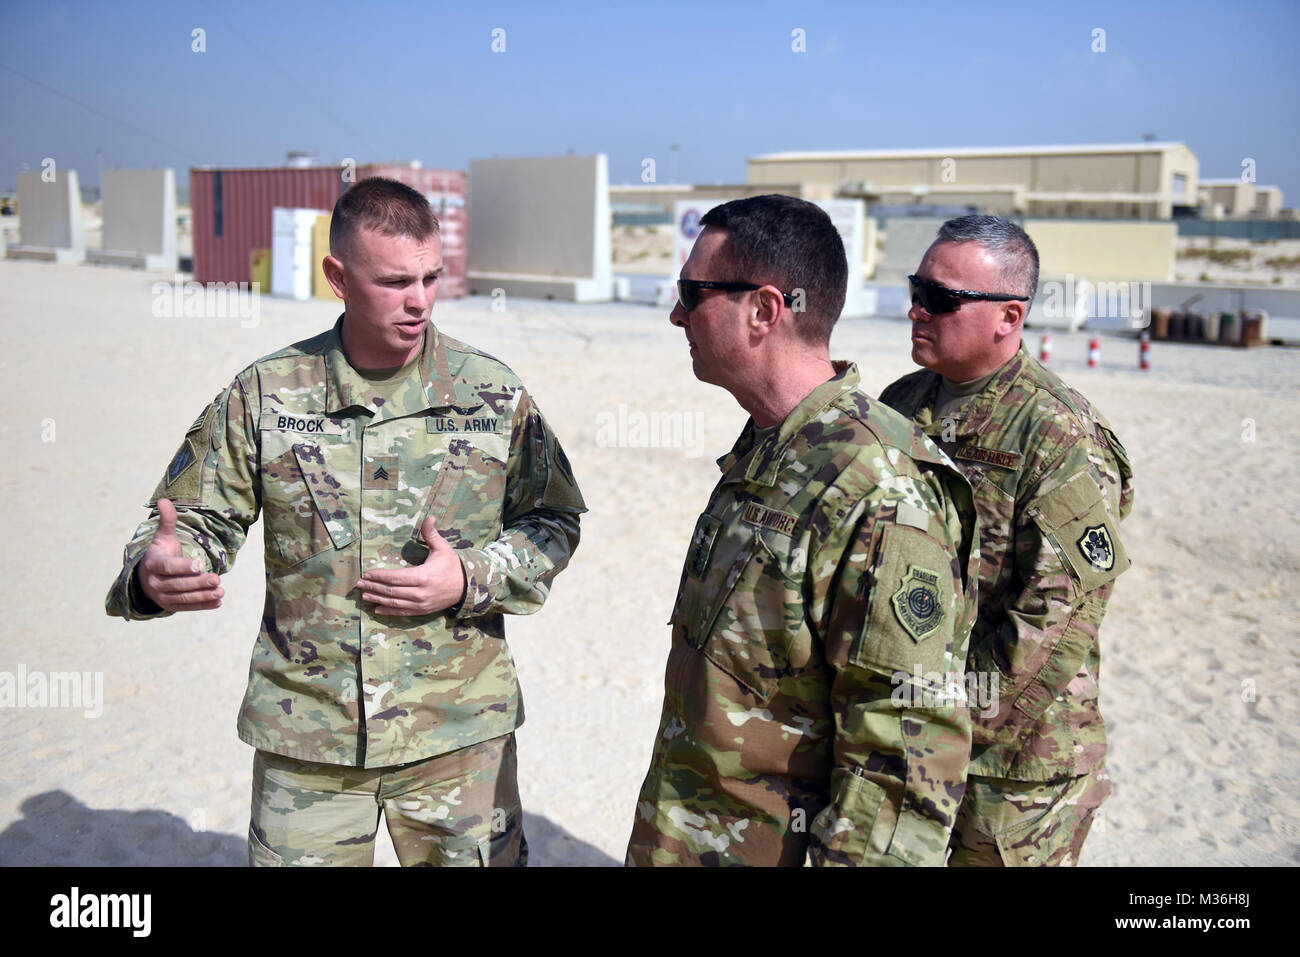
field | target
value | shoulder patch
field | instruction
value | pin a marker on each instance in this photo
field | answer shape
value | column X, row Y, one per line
column 918, row 603
column 1096, row 546
column 182, row 460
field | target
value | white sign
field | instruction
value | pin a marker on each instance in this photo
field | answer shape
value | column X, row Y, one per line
column 846, row 214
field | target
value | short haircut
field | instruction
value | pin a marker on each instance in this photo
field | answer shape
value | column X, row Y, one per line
column 1009, row 244
column 384, row 205
column 792, row 244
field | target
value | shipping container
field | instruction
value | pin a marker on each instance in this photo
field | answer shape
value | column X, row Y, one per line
column 232, row 213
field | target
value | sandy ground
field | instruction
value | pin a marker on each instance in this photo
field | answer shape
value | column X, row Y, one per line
column 642, row 249
column 1199, row 655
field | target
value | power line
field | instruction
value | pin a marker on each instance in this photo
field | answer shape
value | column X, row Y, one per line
column 100, row 113
column 312, row 97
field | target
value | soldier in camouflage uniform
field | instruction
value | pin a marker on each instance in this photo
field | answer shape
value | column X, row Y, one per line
column 413, row 494
column 1051, row 482
column 813, row 706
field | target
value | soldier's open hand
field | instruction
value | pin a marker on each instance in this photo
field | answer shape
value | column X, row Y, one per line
column 433, row 586
column 172, row 581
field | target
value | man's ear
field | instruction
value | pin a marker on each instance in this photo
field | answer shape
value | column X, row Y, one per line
column 335, row 276
column 768, row 306
column 1013, row 318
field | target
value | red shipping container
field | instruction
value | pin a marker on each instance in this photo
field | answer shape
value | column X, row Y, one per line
column 231, row 211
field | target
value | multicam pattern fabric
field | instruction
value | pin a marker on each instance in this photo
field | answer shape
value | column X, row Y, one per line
column 1026, row 823
column 455, row 810
column 827, row 574
column 1051, row 483
column 344, row 480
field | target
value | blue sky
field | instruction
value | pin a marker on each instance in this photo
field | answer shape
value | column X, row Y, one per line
column 399, row 81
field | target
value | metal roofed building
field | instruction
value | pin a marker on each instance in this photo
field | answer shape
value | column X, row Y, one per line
column 1238, row 198
column 1148, row 180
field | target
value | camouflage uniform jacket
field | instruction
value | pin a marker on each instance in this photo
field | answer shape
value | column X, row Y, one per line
column 821, row 608
column 345, row 481
column 1051, row 484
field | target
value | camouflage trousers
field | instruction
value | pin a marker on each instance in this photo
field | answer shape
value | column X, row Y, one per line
column 1005, row 823
column 459, row 809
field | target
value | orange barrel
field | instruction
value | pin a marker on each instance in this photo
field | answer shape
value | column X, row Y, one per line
column 1159, row 323
column 1254, row 328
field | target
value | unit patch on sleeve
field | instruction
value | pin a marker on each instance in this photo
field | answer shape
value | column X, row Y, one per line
column 918, row 602
column 182, row 460
column 1095, row 545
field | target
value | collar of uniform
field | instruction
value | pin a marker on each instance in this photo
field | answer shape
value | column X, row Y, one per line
column 981, row 406
column 762, row 463
column 345, row 387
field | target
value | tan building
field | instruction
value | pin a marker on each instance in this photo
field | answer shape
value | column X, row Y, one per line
column 663, row 196
column 1110, row 181
column 1237, row 199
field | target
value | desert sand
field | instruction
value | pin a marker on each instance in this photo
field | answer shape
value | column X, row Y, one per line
column 1199, row 668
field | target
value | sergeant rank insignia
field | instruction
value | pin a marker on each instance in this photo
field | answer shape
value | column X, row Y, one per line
column 917, row 603
column 1096, row 546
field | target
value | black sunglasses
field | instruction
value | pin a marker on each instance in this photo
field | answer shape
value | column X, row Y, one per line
column 938, row 299
column 688, row 290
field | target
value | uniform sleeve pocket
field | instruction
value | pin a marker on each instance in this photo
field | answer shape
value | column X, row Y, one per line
column 1074, row 518
column 842, row 833
column 910, row 608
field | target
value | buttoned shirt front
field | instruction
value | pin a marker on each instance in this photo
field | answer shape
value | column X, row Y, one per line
column 344, row 479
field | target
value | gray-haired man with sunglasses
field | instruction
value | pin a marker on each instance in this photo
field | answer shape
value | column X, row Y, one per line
column 825, row 598
column 1051, row 484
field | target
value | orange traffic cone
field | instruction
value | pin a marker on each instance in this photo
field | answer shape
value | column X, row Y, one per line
column 1094, row 353
column 1045, row 349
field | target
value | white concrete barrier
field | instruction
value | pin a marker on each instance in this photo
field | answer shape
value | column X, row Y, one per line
column 139, row 220
column 49, row 209
column 540, row 228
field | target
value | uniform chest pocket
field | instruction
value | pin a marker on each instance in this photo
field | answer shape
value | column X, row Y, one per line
column 307, row 509
column 741, row 601
column 466, row 493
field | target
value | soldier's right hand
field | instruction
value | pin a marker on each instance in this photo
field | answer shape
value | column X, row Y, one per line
column 172, row 581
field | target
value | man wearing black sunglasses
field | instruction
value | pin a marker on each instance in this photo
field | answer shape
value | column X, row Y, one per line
column 835, row 555
column 1051, row 483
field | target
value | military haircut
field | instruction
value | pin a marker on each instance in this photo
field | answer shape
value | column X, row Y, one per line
column 384, row 205
column 792, row 244
column 1009, row 244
